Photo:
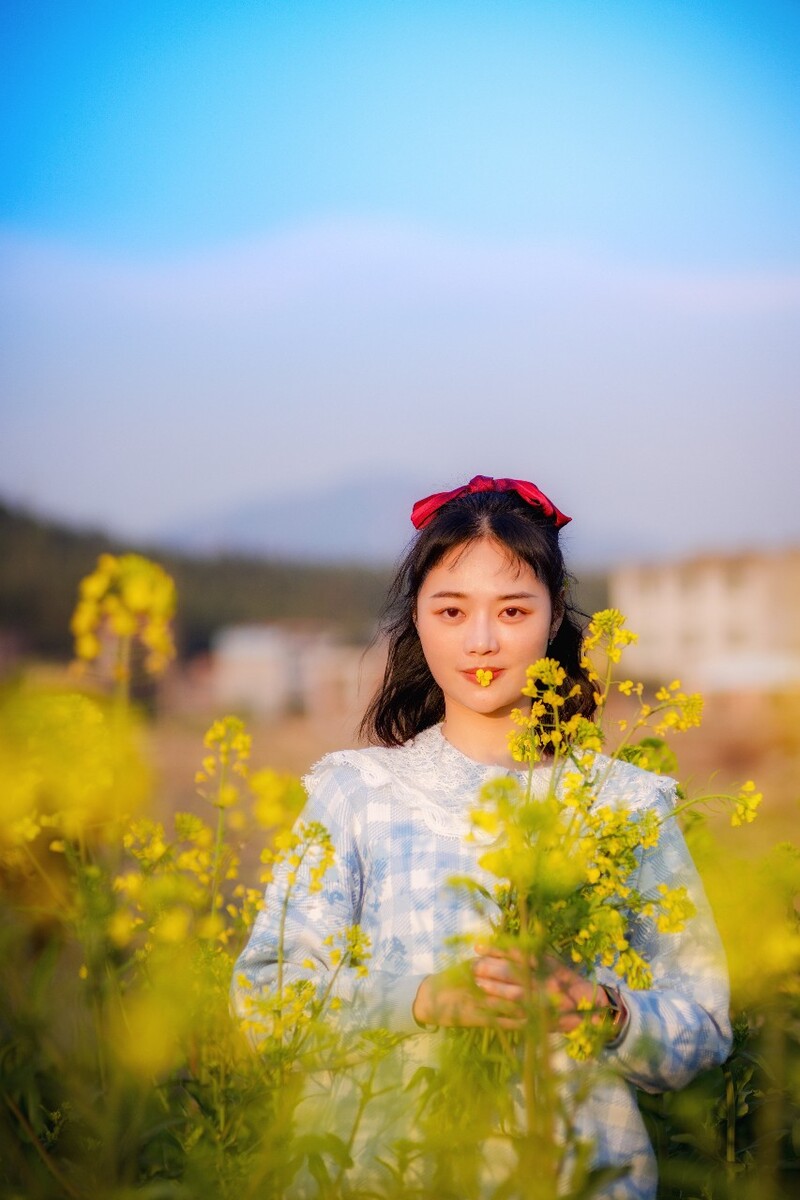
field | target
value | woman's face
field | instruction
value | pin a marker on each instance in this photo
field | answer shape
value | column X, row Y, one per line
column 480, row 609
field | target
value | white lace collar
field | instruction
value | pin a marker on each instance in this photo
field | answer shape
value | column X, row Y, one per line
column 433, row 778
column 452, row 774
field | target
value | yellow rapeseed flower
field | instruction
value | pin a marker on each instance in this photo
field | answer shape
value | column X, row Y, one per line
column 675, row 909
column 68, row 764
column 278, row 798
column 747, row 803
column 130, row 596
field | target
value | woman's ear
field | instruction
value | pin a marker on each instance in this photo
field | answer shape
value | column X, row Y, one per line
column 559, row 608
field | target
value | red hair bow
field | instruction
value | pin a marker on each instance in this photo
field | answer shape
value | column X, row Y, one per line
column 423, row 510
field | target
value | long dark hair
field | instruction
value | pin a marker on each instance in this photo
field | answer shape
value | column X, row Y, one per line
column 409, row 699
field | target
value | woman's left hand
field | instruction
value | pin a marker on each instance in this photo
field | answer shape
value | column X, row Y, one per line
column 500, row 974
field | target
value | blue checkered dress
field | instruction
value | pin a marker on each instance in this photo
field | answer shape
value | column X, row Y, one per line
column 398, row 821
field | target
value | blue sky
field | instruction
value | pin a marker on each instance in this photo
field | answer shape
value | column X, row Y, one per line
column 557, row 239
column 660, row 128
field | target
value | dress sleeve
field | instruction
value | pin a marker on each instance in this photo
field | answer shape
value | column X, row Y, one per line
column 315, row 923
column 681, row 1025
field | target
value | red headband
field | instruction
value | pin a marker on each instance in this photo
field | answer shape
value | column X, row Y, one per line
column 423, row 510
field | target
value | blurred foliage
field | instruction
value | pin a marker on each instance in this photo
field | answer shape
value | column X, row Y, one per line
column 122, row 1073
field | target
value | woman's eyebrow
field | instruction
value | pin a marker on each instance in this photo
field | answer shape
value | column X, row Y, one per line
column 464, row 596
column 520, row 596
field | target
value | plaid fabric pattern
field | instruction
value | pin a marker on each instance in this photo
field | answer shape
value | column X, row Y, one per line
column 397, row 818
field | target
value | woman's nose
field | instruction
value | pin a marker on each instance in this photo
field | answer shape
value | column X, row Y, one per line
column 480, row 637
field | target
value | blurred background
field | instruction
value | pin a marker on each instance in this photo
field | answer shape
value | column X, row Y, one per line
column 273, row 271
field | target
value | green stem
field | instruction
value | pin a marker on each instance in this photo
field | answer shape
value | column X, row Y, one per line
column 695, row 802
column 366, row 1096
column 281, row 952
column 538, row 1152
column 57, row 896
column 730, row 1121
column 218, row 840
column 122, row 688
column 40, row 1150
column 528, row 1064
column 282, row 935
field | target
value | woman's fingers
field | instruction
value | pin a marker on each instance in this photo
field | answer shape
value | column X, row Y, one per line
column 500, row 975
column 510, row 955
column 507, row 990
column 452, row 998
column 502, row 969
column 495, row 989
column 502, row 995
column 499, row 979
column 501, row 984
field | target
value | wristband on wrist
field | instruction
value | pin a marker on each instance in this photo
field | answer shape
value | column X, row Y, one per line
column 619, row 1013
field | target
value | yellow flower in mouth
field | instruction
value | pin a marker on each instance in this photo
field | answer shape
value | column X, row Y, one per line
column 484, row 678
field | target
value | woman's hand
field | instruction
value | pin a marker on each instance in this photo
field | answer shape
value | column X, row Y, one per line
column 460, row 997
column 492, row 989
column 571, row 995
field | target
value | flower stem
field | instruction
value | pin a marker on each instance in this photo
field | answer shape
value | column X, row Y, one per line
column 218, row 841
column 122, row 689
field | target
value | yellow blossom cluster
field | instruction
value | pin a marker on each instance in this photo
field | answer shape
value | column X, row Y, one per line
column 279, row 1018
column 676, row 710
column 166, row 896
column 292, row 1010
column 278, row 797
column 607, row 630
column 351, row 948
column 675, row 909
column 605, row 640
column 567, row 864
column 571, row 862
column 71, row 769
column 747, row 803
column 285, row 1018
column 306, row 845
column 166, row 892
column 540, row 729
column 132, row 597
column 584, row 1041
column 229, row 747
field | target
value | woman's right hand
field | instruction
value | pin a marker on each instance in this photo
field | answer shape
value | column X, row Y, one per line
column 486, row 991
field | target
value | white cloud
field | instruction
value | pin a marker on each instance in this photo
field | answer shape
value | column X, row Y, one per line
column 140, row 392
column 370, row 261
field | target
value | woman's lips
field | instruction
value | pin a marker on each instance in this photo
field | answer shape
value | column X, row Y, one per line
column 473, row 675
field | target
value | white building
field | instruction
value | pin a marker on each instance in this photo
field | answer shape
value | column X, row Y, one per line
column 717, row 622
column 271, row 670
column 259, row 669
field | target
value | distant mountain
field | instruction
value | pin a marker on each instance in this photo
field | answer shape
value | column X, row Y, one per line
column 366, row 521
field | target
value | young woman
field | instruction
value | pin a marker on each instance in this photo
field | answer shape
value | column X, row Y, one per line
column 480, row 596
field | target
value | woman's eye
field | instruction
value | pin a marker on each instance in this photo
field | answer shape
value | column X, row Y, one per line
column 514, row 612
column 450, row 612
